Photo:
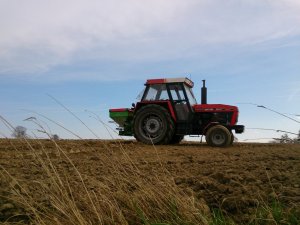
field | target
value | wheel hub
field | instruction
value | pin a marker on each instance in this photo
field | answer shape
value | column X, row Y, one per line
column 152, row 125
column 218, row 138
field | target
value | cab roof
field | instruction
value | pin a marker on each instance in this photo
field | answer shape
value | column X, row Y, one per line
column 185, row 80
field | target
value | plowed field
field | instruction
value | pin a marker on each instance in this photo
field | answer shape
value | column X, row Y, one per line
column 237, row 180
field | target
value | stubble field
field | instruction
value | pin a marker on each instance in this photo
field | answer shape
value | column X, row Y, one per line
column 125, row 182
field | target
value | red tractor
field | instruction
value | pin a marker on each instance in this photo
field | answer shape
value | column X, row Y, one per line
column 168, row 110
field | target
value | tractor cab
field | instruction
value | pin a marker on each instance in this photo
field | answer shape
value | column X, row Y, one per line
column 174, row 94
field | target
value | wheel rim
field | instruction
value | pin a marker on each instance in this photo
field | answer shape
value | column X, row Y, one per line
column 218, row 138
column 152, row 126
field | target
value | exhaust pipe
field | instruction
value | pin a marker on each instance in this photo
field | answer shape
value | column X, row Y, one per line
column 203, row 93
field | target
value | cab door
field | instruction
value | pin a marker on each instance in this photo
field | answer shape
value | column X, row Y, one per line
column 180, row 102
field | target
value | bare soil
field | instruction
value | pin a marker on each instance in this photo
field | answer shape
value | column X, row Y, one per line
column 236, row 179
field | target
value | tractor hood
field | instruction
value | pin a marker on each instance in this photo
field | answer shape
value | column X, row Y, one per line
column 219, row 109
column 214, row 108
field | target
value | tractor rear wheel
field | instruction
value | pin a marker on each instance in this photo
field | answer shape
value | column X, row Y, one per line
column 218, row 136
column 152, row 124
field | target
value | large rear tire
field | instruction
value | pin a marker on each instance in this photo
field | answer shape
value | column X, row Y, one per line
column 152, row 124
column 218, row 136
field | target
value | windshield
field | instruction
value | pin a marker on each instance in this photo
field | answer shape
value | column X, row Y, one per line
column 139, row 97
column 190, row 95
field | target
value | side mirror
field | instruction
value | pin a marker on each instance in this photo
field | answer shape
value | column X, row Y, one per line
column 133, row 105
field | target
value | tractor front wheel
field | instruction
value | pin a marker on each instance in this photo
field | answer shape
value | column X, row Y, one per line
column 218, row 136
column 152, row 124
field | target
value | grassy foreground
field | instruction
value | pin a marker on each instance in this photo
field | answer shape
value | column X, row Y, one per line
column 59, row 193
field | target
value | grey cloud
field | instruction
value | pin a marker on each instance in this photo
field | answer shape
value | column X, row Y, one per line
column 37, row 35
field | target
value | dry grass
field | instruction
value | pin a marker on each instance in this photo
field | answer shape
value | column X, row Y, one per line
column 125, row 197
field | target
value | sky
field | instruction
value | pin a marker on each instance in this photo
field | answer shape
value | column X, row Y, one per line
column 88, row 56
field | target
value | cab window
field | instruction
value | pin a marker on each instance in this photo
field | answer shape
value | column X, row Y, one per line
column 177, row 92
column 156, row 92
column 190, row 95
